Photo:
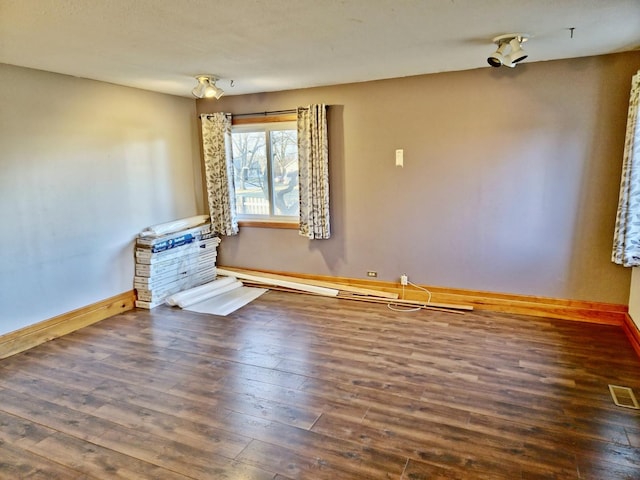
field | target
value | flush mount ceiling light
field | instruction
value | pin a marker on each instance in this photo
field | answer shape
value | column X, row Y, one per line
column 207, row 88
column 511, row 43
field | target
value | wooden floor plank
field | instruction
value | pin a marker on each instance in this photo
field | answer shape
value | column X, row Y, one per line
column 97, row 461
column 16, row 463
column 305, row 387
column 330, row 459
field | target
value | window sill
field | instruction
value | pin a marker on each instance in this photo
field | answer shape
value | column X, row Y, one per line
column 268, row 224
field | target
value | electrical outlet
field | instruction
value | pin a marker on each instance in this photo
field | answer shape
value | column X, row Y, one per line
column 371, row 273
column 404, row 280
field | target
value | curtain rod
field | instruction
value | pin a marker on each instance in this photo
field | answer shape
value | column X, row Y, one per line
column 274, row 112
column 257, row 114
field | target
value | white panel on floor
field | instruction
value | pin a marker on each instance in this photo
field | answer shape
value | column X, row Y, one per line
column 228, row 302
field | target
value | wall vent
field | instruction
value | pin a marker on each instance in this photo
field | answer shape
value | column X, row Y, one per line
column 623, row 397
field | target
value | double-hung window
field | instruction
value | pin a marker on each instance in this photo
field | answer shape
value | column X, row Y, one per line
column 265, row 169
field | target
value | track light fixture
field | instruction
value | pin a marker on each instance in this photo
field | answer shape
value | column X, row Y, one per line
column 207, row 88
column 511, row 43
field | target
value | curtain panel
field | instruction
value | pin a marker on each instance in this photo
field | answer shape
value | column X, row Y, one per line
column 313, row 170
column 216, row 148
column 626, row 241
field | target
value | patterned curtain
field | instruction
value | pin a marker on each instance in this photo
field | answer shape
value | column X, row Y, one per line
column 216, row 148
column 313, row 169
column 626, row 240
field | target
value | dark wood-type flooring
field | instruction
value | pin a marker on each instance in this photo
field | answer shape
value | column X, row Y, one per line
column 302, row 387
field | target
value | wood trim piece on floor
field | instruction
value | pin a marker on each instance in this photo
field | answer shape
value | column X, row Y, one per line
column 584, row 311
column 33, row 335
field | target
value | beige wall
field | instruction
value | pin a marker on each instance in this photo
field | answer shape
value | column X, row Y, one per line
column 84, row 166
column 510, row 181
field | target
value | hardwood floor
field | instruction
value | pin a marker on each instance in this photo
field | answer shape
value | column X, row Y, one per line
column 302, row 387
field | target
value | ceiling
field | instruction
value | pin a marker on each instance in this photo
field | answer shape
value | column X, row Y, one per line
column 268, row 45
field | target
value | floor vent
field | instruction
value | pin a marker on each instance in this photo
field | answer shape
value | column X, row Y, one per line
column 623, row 397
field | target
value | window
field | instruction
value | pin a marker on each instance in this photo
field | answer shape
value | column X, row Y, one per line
column 265, row 170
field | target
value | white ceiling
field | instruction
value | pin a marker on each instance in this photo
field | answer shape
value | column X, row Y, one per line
column 267, row 45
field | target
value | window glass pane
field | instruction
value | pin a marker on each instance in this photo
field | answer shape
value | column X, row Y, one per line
column 284, row 168
column 265, row 169
column 250, row 173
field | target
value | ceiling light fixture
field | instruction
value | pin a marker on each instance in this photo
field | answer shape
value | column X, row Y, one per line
column 207, row 88
column 511, row 42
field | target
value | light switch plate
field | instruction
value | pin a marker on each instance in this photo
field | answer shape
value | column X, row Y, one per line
column 399, row 157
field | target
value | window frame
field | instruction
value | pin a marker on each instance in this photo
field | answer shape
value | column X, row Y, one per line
column 281, row 222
